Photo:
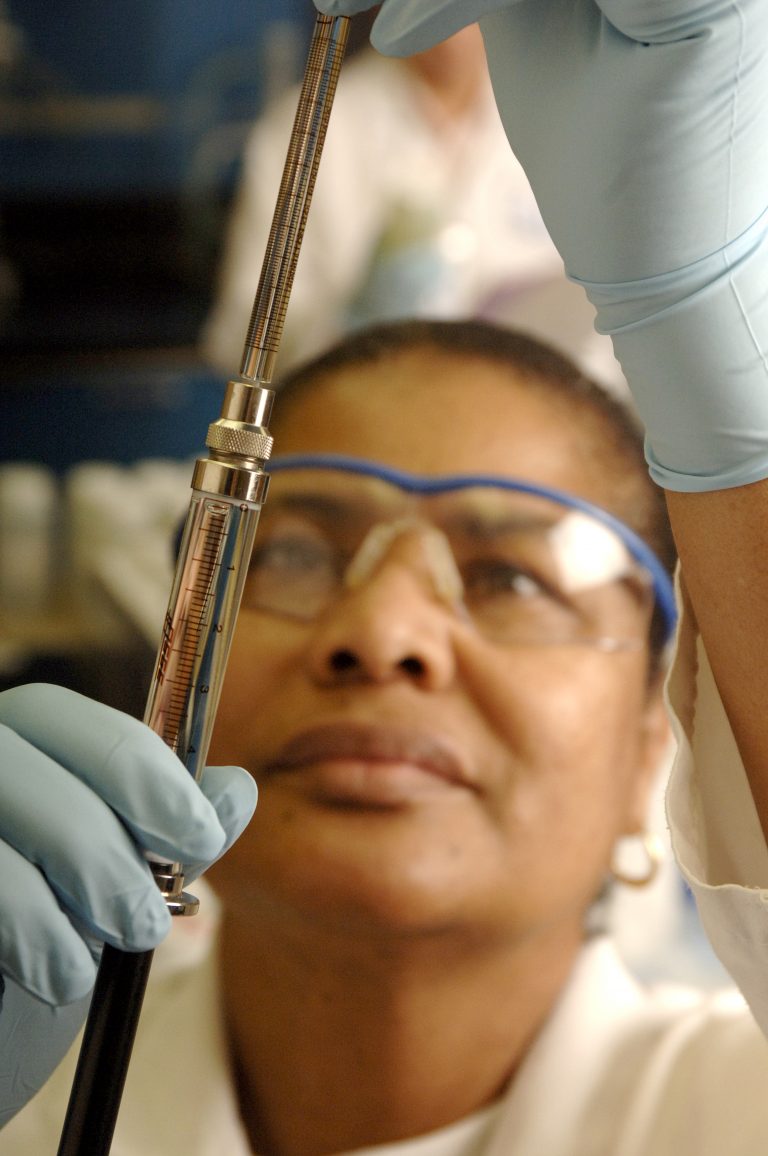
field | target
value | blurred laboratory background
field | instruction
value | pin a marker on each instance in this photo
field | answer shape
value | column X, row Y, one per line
column 123, row 133
column 121, row 130
column 141, row 148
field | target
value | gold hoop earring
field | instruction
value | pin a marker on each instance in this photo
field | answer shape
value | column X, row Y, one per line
column 654, row 853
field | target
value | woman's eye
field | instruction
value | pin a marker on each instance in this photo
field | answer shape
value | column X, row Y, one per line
column 494, row 577
column 290, row 555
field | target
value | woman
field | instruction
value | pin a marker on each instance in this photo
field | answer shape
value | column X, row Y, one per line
column 448, row 693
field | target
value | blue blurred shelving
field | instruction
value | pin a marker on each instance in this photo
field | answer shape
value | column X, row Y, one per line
column 121, row 128
column 108, row 97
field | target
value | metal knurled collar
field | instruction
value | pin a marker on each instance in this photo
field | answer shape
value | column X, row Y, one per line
column 248, row 443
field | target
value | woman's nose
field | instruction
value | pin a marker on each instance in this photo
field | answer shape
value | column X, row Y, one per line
column 396, row 617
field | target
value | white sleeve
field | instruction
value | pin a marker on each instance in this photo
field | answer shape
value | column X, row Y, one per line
column 714, row 826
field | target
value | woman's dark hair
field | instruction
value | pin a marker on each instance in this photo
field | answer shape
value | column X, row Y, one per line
column 617, row 434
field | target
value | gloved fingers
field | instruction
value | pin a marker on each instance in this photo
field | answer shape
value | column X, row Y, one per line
column 344, row 7
column 662, row 22
column 232, row 792
column 124, row 762
column 39, row 948
column 404, row 27
column 86, row 856
column 34, row 1038
column 410, row 26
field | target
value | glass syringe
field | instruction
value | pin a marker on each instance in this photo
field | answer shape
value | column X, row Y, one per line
column 228, row 490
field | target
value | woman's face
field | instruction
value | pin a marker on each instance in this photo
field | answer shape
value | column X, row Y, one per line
column 413, row 776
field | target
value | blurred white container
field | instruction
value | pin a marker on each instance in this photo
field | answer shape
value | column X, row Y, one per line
column 29, row 526
column 122, row 521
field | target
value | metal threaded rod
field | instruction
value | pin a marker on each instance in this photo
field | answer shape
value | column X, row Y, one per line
column 298, row 181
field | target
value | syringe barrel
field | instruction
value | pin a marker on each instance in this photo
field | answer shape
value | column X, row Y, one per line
column 200, row 620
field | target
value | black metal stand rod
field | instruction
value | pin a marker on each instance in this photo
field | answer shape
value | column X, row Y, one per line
column 110, row 1030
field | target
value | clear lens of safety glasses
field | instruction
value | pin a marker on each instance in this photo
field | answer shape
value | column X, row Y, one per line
column 521, row 564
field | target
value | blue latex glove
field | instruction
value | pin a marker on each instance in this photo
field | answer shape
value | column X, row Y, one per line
column 82, row 789
column 643, row 127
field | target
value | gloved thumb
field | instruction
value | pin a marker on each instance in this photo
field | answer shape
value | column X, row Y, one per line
column 233, row 794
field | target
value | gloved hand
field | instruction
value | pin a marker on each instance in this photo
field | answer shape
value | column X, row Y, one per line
column 643, row 128
column 403, row 27
column 83, row 788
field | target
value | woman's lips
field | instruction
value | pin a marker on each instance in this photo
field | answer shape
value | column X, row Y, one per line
column 363, row 765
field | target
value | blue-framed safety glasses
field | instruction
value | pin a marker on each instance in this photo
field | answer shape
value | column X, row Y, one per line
column 520, row 563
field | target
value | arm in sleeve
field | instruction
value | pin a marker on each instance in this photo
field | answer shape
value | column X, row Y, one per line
column 714, row 825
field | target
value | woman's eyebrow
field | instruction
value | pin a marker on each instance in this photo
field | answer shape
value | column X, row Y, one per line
column 324, row 505
column 479, row 519
column 305, row 500
column 492, row 522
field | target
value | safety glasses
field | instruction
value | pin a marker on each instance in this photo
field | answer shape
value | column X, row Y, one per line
column 519, row 563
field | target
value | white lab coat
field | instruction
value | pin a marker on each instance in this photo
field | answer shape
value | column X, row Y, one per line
column 617, row 1070
column 404, row 221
